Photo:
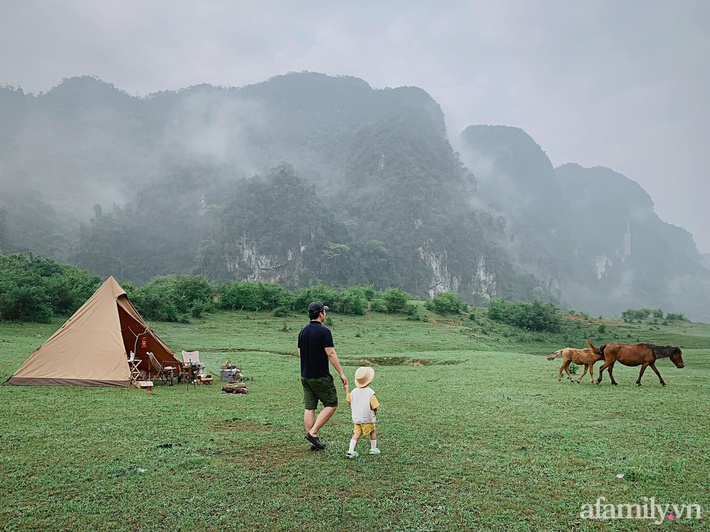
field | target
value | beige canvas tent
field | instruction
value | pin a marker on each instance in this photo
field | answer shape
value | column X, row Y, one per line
column 92, row 347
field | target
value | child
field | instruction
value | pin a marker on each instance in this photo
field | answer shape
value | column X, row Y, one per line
column 364, row 407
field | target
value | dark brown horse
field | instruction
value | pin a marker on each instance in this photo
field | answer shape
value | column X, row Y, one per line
column 636, row 355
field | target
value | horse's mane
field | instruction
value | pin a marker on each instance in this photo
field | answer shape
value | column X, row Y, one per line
column 662, row 351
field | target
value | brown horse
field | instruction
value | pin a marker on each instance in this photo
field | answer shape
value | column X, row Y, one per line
column 585, row 357
column 636, row 355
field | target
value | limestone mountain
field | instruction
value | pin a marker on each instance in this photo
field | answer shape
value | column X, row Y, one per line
column 591, row 235
column 307, row 178
column 518, row 183
column 639, row 260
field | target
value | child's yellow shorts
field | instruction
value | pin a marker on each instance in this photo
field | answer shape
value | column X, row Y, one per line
column 363, row 428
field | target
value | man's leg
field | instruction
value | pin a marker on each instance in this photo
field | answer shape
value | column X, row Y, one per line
column 323, row 416
column 309, row 419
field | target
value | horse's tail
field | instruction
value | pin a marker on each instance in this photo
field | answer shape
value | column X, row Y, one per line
column 554, row 355
column 595, row 350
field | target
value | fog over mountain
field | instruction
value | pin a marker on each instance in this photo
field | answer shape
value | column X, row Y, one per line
column 599, row 83
column 307, row 178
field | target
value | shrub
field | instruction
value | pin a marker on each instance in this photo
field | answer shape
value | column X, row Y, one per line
column 155, row 303
column 497, row 309
column 353, row 301
column 303, row 297
column 255, row 296
column 25, row 303
column 412, row 312
column 447, row 303
column 395, row 299
column 369, row 292
column 635, row 314
column 378, row 305
column 35, row 289
column 534, row 316
column 194, row 294
column 174, row 298
column 280, row 312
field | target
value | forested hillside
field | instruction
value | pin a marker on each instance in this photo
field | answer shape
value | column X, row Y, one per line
column 306, row 179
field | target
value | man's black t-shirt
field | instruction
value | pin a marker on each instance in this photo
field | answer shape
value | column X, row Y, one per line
column 312, row 341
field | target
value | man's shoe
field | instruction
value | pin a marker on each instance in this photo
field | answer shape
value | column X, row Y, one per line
column 375, row 451
column 353, row 454
column 314, row 440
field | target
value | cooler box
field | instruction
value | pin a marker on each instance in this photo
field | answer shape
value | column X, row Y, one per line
column 227, row 374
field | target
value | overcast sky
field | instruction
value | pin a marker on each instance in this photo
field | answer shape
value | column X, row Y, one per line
column 616, row 83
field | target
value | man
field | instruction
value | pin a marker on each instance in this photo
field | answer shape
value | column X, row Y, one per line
column 316, row 349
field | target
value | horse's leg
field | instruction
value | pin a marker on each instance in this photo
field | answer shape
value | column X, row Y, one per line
column 611, row 375
column 569, row 375
column 583, row 374
column 653, row 367
column 559, row 377
column 643, row 368
column 604, row 366
column 591, row 372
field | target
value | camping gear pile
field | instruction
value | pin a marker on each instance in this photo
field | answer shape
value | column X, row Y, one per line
column 231, row 373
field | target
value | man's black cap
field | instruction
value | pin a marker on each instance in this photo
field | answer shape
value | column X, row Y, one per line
column 316, row 308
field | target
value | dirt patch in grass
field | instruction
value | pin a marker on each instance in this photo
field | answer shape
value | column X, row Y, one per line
column 244, row 425
column 270, row 456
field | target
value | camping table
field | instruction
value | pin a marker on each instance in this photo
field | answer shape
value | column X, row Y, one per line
column 191, row 371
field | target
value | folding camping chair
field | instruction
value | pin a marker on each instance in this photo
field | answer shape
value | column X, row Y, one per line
column 164, row 373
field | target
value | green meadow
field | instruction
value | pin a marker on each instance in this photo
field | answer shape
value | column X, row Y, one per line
column 476, row 433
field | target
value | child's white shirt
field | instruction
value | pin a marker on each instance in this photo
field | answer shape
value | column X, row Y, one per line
column 363, row 402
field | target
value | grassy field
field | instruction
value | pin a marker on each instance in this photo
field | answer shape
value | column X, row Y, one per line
column 475, row 431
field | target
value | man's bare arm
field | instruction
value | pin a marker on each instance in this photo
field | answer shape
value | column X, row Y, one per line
column 333, row 357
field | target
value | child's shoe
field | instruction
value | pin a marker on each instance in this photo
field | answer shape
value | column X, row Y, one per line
column 353, row 454
column 375, row 451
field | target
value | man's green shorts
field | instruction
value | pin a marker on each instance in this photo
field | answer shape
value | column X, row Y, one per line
column 319, row 389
